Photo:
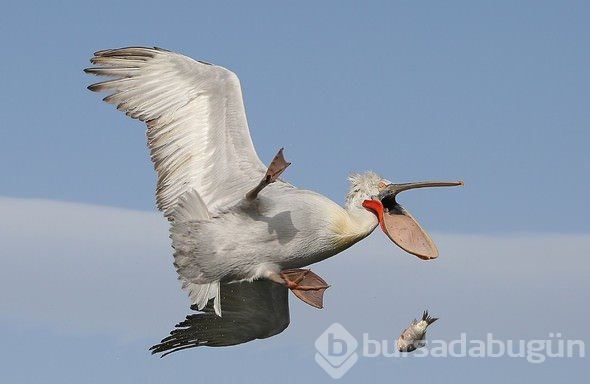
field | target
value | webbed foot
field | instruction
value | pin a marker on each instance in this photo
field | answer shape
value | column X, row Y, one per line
column 306, row 285
column 276, row 167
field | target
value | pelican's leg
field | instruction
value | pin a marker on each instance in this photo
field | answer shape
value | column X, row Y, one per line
column 276, row 167
column 304, row 284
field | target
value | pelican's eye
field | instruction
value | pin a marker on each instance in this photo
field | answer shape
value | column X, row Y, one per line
column 381, row 186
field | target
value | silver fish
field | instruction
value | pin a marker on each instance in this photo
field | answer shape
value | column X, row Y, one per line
column 412, row 337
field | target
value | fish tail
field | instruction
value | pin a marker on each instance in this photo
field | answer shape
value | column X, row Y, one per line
column 427, row 318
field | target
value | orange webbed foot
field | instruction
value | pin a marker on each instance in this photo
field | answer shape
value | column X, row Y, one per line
column 306, row 285
column 276, row 167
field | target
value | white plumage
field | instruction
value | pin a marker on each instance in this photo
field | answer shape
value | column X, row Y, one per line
column 197, row 130
column 206, row 164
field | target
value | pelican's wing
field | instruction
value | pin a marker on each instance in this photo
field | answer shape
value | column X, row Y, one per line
column 197, row 129
column 251, row 310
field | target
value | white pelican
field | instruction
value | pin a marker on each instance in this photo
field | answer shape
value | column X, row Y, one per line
column 226, row 225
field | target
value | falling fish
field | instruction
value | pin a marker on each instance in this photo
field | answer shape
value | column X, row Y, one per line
column 412, row 337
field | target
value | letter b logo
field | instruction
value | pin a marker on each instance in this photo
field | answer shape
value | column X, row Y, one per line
column 336, row 347
column 336, row 350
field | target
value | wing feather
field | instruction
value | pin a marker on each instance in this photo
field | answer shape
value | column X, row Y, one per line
column 197, row 132
column 251, row 310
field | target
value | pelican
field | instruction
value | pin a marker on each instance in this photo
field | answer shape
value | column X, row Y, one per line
column 232, row 219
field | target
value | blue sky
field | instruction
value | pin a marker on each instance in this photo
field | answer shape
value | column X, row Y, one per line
column 494, row 93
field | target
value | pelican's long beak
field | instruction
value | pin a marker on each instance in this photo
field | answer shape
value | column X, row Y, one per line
column 399, row 225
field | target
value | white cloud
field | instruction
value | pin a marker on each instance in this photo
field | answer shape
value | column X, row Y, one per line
column 82, row 268
column 515, row 286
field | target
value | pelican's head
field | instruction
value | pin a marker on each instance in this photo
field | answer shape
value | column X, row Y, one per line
column 377, row 195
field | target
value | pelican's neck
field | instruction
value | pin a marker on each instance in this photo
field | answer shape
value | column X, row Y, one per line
column 362, row 221
column 354, row 224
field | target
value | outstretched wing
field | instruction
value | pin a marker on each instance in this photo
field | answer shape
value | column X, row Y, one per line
column 197, row 129
column 251, row 310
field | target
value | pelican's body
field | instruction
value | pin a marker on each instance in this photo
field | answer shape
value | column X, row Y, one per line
column 283, row 228
column 224, row 226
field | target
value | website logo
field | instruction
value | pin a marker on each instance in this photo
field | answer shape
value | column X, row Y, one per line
column 336, row 350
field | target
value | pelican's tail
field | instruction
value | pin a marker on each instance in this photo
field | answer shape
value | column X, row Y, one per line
column 200, row 294
column 190, row 208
